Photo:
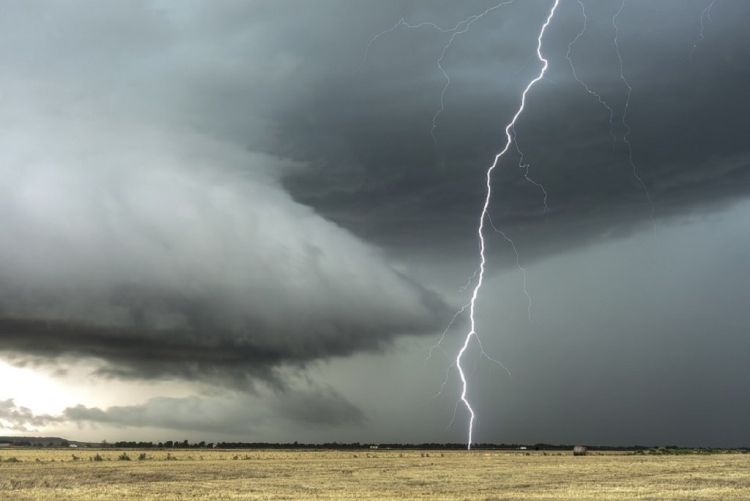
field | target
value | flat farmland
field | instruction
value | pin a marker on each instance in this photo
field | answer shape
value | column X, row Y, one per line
column 377, row 474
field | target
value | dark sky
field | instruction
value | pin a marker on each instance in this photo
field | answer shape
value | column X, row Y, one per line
column 236, row 220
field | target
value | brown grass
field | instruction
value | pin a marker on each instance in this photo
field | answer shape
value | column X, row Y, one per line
column 381, row 474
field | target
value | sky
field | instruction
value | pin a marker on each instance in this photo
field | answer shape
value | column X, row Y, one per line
column 257, row 221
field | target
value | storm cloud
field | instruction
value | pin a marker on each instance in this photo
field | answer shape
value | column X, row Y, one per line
column 687, row 113
column 232, row 192
column 253, row 76
column 174, row 254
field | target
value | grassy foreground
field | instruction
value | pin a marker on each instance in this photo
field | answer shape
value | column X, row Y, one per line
column 381, row 474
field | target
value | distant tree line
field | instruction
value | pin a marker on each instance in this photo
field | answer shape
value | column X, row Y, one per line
column 185, row 444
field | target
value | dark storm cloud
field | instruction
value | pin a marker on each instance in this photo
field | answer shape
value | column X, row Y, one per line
column 164, row 262
column 221, row 356
column 134, row 235
column 299, row 86
column 687, row 117
column 165, row 166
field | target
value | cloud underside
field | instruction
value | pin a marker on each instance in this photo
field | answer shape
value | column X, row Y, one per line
column 180, row 257
column 230, row 358
column 685, row 121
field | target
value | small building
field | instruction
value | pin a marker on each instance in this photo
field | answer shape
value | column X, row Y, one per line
column 580, row 450
column 523, row 448
column 4, row 444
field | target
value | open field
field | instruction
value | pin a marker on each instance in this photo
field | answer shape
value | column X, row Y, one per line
column 379, row 474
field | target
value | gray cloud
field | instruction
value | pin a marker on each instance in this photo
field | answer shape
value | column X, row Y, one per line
column 223, row 413
column 323, row 407
column 174, row 254
column 19, row 418
column 687, row 119
column 254, row 76
column 226, row 414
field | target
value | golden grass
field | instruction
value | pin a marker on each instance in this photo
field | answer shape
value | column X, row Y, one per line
column 381, row 474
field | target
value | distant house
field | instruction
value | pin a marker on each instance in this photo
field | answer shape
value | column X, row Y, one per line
column 579, row 450
column 73, row 446
column 373, row 447
column 523, row 448
column 4, row 444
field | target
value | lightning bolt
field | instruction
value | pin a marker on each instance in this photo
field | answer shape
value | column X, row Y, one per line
column 461, row 28
column 525, row 168
column 629, row 90
column 405, row 24
column 569, row 57
column 518, row 262
column 458, row 29
column 483, row 353
column 468, row 282
column 439, row 343
column 625, row 124
column 472, row 334
column 705, row 16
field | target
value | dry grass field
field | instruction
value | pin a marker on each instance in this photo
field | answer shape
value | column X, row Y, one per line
column 381, row 474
